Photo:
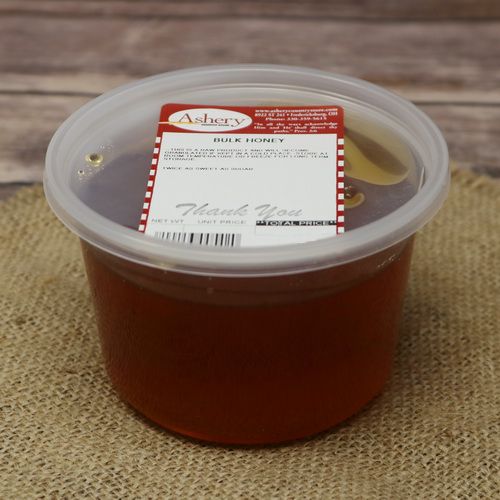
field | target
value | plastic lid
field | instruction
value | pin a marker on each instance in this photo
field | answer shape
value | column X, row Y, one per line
column 121, row 124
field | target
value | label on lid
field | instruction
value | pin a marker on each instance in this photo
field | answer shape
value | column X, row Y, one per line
column 231, row 176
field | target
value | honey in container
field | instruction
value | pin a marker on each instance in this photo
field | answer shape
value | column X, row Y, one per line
column 247, row 330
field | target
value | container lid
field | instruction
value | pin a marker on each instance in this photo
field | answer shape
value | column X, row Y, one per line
column 98, row 162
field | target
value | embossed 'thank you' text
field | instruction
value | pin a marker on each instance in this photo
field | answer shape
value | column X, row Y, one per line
column 266, row 211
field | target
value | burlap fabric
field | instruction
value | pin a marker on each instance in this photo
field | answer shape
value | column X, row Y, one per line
column 433, row 434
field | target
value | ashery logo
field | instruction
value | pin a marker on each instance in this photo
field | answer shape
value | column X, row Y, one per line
column 209, row 120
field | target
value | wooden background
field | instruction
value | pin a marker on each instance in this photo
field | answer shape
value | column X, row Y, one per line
column 55, row 55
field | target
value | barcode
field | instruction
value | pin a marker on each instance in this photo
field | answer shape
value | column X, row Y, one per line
column 205, row 239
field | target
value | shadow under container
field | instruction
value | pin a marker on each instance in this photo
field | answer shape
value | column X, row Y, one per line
column 248, row 345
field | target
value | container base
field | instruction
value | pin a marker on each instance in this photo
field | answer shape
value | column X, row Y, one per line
column 224, row 441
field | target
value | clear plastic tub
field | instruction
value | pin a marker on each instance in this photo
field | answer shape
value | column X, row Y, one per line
column 248, row 345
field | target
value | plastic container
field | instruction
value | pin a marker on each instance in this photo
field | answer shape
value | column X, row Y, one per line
column 247, row 345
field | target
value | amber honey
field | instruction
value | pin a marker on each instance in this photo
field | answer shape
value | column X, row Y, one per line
column 249, row 360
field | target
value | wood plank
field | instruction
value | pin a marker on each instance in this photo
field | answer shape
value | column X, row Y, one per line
column 28, row 121
column 93, row 84
column 321, row 9
column 472, row 134
column 448, row 60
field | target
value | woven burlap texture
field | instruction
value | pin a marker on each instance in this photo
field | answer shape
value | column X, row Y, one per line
column 432, row 434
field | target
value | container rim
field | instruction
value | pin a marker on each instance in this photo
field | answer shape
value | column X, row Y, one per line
column 355, row 244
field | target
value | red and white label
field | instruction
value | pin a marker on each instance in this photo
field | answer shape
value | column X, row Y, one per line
column 246, row 176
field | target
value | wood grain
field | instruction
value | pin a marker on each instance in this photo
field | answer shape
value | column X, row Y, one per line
column 57, row 54
column 430, row 10
column 448, row 61
column 27, row 123
column 472, row 134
